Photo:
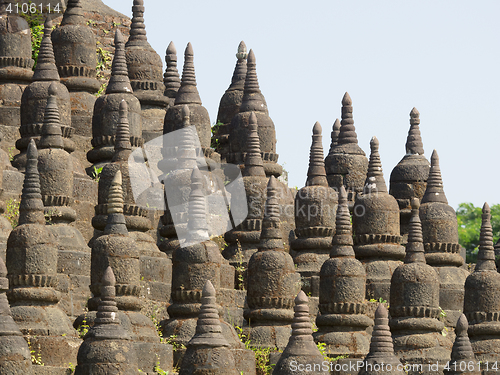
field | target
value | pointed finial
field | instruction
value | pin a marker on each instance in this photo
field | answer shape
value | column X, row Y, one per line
column 251, row 81
column 208, row 327
column 51, row 129
column 107, row 310
column 73, row 14
column 188, row 93
column 31, row 207
column 316, row 174
column 334, row 135
column 115, row 195
column 462, row 348
column 119, row 81
column 116, row 220
column 414, row 145
column 415, row 245
column 301, row 324
column 46, row 69
column 381, row 339
column 375, row 181
column 242, row 51
column 240, row 71
column 186, row 150
column 254, row 166
column 486, row 255
column 137, row 28
column 270, row 236
column 347, row 133
column 197, row 213
column 123, row 147
column 434, row 191
column 342, row 240
column 171, row 77
column 108, row 279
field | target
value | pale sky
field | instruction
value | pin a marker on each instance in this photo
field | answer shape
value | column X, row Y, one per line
column 441, row 57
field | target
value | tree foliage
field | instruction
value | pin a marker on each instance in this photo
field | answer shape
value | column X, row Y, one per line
column 469, row 227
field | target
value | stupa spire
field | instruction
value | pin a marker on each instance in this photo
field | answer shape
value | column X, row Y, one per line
column 31, row 207
column 486, row 255
column 116, row 219
column 254, row 166
column 342, row 241
column 73, row 15
column 46, row 69
column 138, row 28
column 51, row 129
column 316, row 174
column 271, row 237
column 119, row 81
column 197, row 215
column 240, row 71
column 347, row 133
column 171, row 78
column 188, row 93
column 434, row 191
column 375, row 174
column 335, row 135
column 123, row 147
column 415, row 245
column 414, row 145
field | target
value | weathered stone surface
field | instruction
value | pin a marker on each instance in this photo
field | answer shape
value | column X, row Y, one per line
column 194, row 262
column 34, row 101
column 462, row 356
column 376, row 224
column 409, row 177
column 171, row 78
column 75, row 54
column 208, row 352
column 230, row 104
column 315, row 210
column 414, row 306
column 253, row 101
column 15, row 66
column 116, row 248
column 243, row 241
column 301, row 349
column 346, row 163
column 442, row 250
column 381, row 359
column 107, row 347
column 342, row 323
column 15, row 356
column 273, row 282
column 107, row 110
column 482, row 297
column 32, row 264
column 155, row 267
column 56, row 185
column 145, row 73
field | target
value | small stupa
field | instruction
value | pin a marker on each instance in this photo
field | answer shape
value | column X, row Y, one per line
column 482, row 297
column 342, row 323
column 230, row 104
column 208, row 352
column 273, row 282
column 381, row 359
column 171, row 78
column 414, row 306
column 145, row 70
column 346, row 163
column 409, row 177
column 376, row 225
column 301, row 349
column 462, row 356
column 315, row 211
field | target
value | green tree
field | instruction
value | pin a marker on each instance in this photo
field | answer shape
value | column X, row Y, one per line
column 469, row 227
